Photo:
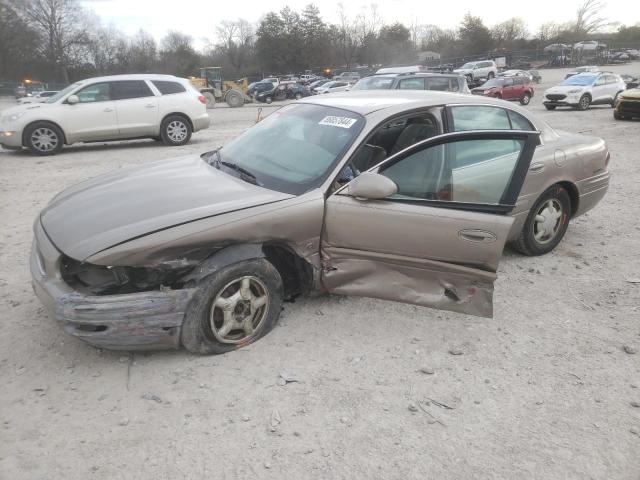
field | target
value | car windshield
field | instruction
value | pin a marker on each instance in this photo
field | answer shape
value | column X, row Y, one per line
column 329, row 84
column 494, row 82
column 294, row 149
column 373, row 83
column 580, row 80
column 468, row 65
column 62, row 93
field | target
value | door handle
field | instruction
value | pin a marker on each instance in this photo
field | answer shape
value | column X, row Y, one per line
column 108, row 110
column 477, row 236
column 537, row 167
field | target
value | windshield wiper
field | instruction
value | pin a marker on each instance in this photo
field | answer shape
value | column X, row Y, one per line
column 244, row 174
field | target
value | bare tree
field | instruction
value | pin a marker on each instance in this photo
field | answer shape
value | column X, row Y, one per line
column 509, row 31
column 62, row 26
column 347, row 37
column 589, row 18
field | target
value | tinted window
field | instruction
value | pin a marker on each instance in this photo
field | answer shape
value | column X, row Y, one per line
column 611, row 79
column 441, row 84
column 167, row 88
column 130, row 89
column 479, row 118
column 518, row 122
column 412, row 84
column 469, row 171
column 98, row 92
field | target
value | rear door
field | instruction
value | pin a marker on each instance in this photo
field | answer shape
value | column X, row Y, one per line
column 438, row 240
column 599, row 90
column 508, row 89
column 137, row 108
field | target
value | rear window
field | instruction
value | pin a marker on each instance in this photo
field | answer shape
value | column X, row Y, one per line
column 167, row 88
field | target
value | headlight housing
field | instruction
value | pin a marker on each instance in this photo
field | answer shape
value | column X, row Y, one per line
column 11, row 118
column 575, row 90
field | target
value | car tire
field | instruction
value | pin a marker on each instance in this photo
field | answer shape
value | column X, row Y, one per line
column 584, row 102
column 210, row 98
column 546, row 223
column 490, row 75
column 617, row 116
column 208, row 330
column 175, row 130
column 298, row 96
column 268, row 100
column 43, row 138
column 550, row 107
column 526, row 98
column 234, row 99
column 498, row 96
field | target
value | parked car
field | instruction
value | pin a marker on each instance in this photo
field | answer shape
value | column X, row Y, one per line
column 627, row 105
column 535, row 75
column 333, row 86
column 318, row 83
column 414, row 81
column 409, row 69
column 475, row 71
column 259, row 87
column 517, row 88
column 284, row 91
column 398, row 195
column 118, row 107
column 20, row 92
column 349, row 77
column 515, row 73
column 585, row 89
column 585, row 69
column 631, row 81
column 273, row 80
column 38, row 97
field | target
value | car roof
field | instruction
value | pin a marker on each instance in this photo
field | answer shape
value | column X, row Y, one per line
column 136, row 76
column 366, row 102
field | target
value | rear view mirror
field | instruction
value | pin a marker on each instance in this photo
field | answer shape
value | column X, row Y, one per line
column 73, row 99
column 372, row 186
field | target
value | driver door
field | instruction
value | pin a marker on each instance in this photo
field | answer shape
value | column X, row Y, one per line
column 437, row 241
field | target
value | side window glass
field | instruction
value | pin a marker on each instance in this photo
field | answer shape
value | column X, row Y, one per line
column 168, row 88
column 467, row 171
column 412, row 84
column 479, row 118
column 508, row 82
column 599, row 81
column 98, row 92
column 438, row 83
column 127, row 89
column 518, row 122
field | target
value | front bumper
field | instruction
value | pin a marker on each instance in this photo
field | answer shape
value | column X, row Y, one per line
column 628, row 107
column 136, row 321
column 10, row 137
column 568, row 101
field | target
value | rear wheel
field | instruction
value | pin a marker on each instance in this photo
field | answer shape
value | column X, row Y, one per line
column 526, row 98
column 546, row 223
column 491, row 75
column 43, row 138
column 550, row 107
column 210, row 99
column 175, row 130
column 268, row 100
column 584, row 102
column 233, row 307
column 234, row 99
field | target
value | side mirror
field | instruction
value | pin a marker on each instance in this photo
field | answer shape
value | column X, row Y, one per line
column 372, row 186
column 72, row 99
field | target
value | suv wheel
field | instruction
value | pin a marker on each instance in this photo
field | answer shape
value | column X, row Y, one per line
column 233, row 307
column 175, row 130
column 584, row 102
column 268, row 100
column 546, row 223
column 526, row 98
column 550, row 107
column 490, row 75
column 43, row 138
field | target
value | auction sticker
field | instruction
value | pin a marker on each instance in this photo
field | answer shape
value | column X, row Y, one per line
column 342, row 122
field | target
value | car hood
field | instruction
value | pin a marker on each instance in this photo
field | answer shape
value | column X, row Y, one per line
column 114, row 208
column 25, row 107
column 564, row 88
column 463, row 70
column 633, row 93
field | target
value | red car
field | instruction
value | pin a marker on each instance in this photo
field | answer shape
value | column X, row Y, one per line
column 507, row 88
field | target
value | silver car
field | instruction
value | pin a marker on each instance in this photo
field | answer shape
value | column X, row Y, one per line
column 399, row 195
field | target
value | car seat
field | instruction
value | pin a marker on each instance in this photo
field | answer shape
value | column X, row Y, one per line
column 417, row 130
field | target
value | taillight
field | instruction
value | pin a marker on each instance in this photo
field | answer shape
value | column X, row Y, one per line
column 606, row 160
column 202, row 99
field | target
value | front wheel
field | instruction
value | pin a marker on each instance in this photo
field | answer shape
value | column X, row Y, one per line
column 234, row 99
column 546, row 223
column 43, row 138
column 233, row 307
column 584, row 102
column 268, row 100
column 617, row 116
column 525, row 99
column 175, row 130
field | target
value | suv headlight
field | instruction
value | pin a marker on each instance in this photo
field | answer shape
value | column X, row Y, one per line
column 12, row 118
column 575, row 90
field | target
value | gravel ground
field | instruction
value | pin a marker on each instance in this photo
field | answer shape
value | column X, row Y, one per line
column 543, row 390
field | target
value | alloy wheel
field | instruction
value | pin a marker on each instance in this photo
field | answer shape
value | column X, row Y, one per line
column 239, row 310
column 177, row 131
column 44, row 139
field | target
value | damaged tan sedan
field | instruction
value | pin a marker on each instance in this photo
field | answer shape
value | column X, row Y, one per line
column 406, row 196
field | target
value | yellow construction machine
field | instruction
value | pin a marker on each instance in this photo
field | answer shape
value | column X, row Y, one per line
column 215, row 89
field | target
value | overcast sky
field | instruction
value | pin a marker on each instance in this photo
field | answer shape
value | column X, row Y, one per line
column 199, row 17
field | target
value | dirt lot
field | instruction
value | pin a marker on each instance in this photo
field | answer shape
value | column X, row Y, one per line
column 543, row 390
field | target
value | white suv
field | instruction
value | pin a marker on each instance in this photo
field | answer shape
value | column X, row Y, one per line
column 585, row 89
column 118, row 107
column 477, row 70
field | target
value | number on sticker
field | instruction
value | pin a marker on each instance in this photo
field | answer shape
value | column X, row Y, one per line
column 342, row 122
